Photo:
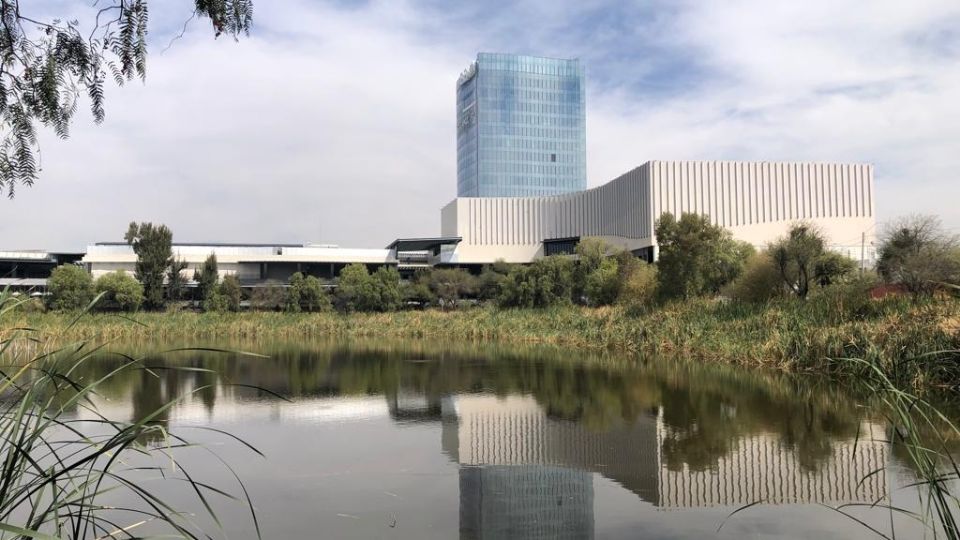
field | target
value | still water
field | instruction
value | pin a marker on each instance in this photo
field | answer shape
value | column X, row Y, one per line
column 412, row 440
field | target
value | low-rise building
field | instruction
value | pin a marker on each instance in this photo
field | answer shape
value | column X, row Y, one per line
column 756, row 201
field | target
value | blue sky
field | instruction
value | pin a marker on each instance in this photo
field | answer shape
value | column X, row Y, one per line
column 334, row 122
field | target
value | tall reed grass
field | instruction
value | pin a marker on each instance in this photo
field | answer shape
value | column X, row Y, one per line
column 788, row 335
column 69, row 471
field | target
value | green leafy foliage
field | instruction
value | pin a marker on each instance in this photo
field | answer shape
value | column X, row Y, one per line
column 271, row 298
column 639, row 289
column 50, row 64
column 358, row 290
column 70, row 287
column 760, row 281
column 832, row 267
column 387, row 282
column 796, row 256
column 120, row 291
column 491, row 280
column 696, row 256
column 603, row 283
column 152, row 244
column 306, row 294
column 207, row 277
column 229, row 288
column 176, row 284
column 546, row 282
column 417, row 291
column 449, row 285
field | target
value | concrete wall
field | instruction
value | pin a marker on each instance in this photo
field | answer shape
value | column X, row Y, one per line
column 756, row 201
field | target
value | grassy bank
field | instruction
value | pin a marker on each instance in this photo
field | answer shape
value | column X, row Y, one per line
column 788, row 335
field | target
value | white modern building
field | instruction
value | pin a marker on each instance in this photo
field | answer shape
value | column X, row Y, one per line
column 756, row 201
column 251, row 263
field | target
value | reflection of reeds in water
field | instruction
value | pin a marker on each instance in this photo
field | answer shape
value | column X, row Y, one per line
column 72, row 475
column 926, row 438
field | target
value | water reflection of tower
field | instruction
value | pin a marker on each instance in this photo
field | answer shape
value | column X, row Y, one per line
column 526, row 475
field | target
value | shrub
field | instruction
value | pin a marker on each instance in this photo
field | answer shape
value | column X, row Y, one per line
column 917, row 253
column 358, row 290
column 417, row 290
column 230, row 289
column 216, row 303
column 603, row 284
column 796, row 256
column 639, row 288
column 306, row 294
column 546, row 282
column 387, row 283
column 207, row 277
column 491, row 280
column 120, row 291
column 70, row 287
column 696, row 256
column 846, row 301
column 759, row 282
column 269, row 298
column 448, row 285
column 832, row 267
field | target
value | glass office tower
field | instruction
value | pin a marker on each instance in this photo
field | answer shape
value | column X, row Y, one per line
column 521, row 127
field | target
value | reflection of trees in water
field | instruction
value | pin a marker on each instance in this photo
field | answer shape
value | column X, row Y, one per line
column 705, row 409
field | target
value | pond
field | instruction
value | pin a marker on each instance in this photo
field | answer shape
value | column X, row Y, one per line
column 416, row 440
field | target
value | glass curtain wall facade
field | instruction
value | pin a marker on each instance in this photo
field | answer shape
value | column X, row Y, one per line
column 521, row 127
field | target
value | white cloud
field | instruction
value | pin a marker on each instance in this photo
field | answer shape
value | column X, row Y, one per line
column 336, row 124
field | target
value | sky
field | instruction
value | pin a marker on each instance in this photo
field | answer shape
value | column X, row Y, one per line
column 333, row 122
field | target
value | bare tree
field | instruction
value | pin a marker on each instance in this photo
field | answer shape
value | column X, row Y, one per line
column 916, row 252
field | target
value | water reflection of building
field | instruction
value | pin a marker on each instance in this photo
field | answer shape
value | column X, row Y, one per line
column 485, row 431
column 525, row 501
column 762, row 468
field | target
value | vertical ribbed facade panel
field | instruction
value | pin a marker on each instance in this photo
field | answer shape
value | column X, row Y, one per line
column 733, row 194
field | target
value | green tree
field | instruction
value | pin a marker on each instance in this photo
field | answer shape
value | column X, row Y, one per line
column 230, row 289
column 602, row 285
column 152, row 244
column 356, row 289
column 417, row 290
column 639, row 287
column 546, row 282
column 917, row 253
column 696, row 256
column 50, row 63
column 70, row 287
column 389, row 294
column 268, row 298
column 797, row 255
column 491, row 280
column 448, row 285
column 313, row 296
column 176, row 285
column 759, row 282
column 832, row 267
column 207, row 277
column 292, row 302
column 591, row 253
column 307, row 294
column 120, row 291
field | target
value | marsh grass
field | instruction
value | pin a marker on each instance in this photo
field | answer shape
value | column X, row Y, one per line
column 788, row 335
column 69, row 471
column 926, row 439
